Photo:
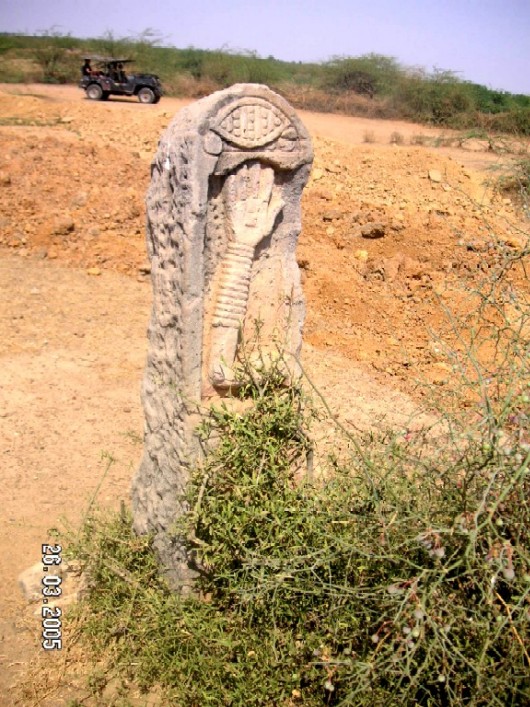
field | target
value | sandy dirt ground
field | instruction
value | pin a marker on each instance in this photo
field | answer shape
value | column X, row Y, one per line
column 389, row 232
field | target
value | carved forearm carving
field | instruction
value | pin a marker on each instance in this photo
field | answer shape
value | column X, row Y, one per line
column 232, row 299
column 252, row 209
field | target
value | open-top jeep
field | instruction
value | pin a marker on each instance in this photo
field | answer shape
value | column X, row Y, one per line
column 109, row 79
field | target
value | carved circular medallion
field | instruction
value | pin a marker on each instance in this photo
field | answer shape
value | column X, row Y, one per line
column 251, row 122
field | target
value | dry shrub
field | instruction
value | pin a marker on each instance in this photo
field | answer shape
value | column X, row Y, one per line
column 396, row 138
column 420, row 139
column 369, row 136
column 315, row 99
column 186, row 85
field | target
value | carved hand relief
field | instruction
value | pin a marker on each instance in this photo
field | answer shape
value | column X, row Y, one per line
column 252, row 204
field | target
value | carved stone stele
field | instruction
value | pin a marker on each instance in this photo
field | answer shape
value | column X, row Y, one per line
column 223, row 218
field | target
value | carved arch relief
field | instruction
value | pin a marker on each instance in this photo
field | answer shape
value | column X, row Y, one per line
column 250, row 123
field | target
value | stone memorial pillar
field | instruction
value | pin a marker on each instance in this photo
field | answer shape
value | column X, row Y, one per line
column 223, row 218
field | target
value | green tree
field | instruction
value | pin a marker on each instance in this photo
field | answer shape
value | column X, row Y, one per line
column 439, row 98
column 50, row 53
column 369, row 74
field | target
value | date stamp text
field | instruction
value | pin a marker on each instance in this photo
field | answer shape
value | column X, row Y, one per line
column 51, row 590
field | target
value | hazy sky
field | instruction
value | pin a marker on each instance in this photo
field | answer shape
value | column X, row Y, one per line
column 486, row 41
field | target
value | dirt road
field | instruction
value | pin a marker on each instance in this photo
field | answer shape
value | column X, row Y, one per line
column 75, row 297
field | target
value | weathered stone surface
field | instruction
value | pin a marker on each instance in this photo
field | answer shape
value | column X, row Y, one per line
column 373, row 230
column 73, row 583
column 435, row 176
column 223, row 217
column 63, row 226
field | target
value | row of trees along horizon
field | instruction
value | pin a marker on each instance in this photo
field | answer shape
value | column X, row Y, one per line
column 371, row 85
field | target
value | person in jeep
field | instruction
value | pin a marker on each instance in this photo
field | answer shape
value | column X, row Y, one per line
column 122, row 76
column 86, row 69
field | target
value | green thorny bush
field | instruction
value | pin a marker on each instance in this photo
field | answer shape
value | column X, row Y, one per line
column 399, row 578
column 399, row 574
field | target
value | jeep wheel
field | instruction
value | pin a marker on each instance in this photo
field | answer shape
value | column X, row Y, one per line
column 146, row 95
column 94, row 92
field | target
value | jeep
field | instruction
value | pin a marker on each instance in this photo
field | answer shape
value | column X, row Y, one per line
column 109, row 79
